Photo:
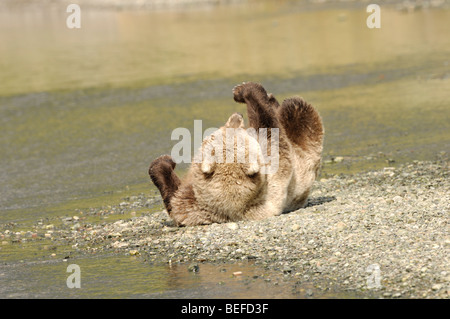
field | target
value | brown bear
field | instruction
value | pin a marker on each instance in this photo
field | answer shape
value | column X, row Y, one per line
column 218, row 191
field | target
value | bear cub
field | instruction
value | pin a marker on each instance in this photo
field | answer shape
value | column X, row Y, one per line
column 247, row 174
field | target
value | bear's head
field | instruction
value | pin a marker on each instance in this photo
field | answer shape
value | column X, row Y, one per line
column 228, row 176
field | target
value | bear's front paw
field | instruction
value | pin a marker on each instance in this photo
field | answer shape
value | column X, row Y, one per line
column 238, row 93
column 163, row 163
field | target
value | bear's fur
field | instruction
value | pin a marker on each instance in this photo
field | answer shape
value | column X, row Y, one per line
column 217, row 192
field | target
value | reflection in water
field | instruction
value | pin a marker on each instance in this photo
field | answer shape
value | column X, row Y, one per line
column 129, row 48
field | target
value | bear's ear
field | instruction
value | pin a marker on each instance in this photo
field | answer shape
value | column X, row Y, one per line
column 208, row 166
column 252, row 168
column 236, row 120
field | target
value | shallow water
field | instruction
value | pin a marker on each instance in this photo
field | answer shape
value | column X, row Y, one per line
column 129, row 277
column 83, row 112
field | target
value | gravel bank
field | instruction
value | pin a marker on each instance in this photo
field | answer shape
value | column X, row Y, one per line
column 381, row 234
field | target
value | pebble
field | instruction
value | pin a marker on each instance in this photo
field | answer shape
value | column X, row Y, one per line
column 193, row 267
column 134, row 252
column 436, row 287
column 397, row 199
column 287, row 270
column 340, row 226
column 118, row 244
column 232, row 226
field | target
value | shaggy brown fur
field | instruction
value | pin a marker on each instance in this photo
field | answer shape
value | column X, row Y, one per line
column 216, row 192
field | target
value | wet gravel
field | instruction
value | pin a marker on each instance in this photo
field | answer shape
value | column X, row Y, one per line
column 382, row 234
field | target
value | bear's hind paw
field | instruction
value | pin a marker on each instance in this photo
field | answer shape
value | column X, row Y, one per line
column 238, row 93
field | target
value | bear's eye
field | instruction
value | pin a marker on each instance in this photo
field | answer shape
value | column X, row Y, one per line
column 252, row 169
column 208, row 175
column 253, row 175
column 208, row 167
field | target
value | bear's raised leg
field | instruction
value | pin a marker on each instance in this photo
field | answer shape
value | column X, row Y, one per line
column 301, row 122
column 273, row 101
column 260, row 105
column 262, row 109
column 162, row 174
